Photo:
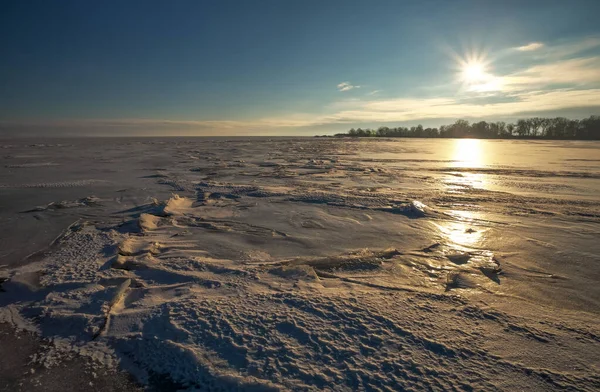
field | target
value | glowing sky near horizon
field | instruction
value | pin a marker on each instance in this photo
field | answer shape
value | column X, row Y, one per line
column 291, row 67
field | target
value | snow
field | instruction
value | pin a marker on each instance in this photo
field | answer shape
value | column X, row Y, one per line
column 303, row 264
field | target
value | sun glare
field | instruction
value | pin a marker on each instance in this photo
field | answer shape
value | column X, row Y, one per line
column 467, row 152
column 473, row 72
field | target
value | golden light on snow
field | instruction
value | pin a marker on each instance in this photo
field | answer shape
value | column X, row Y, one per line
column 467, row 153
column 461, row 232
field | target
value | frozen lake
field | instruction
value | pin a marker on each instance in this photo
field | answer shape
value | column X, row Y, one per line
column 304, row 262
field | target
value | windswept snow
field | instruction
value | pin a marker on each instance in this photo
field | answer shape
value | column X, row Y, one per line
column 302, row 264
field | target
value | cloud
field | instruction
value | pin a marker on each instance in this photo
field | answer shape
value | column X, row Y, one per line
column 120, row 127
column 570, row 73
column 346, row 112
column 346, row 86
column 570, row 48
column 571, row 64
column 416, row 109
column 159, row 127
column 578, row 71
column 559, row 77
column 531, row 47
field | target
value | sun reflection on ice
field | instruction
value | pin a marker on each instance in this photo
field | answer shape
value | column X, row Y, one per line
column 461, row 231
column 468, row 153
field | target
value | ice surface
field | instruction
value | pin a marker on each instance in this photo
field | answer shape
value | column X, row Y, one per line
column 308, row 264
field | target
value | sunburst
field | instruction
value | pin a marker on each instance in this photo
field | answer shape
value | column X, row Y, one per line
column 473, row 71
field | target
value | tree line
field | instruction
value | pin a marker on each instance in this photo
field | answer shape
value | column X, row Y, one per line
column 531, row 128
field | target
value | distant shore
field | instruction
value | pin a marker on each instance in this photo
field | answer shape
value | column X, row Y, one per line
column 558, row 128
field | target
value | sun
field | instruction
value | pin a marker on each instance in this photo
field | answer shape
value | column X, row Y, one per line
column 473, row 72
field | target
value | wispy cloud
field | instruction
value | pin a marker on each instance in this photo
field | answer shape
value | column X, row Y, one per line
column 346, row 86
column 572, row 73
column 126, row 126
column 559, row 77
column 567, row 49
column 406, row 109
column 346, row 112
column 531, row 47
column 416, row 109
column 578, row 71
column 567, row 64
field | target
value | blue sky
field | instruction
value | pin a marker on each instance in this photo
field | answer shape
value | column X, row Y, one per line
column 291, row 67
